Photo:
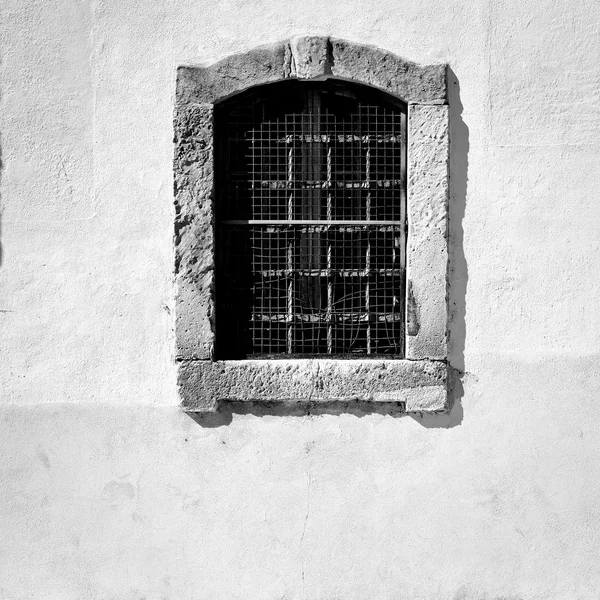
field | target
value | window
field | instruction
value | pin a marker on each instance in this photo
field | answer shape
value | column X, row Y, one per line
column 311, row 219
column 311, row 225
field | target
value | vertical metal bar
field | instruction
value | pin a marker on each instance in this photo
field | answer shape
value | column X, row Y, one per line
column 403, row 186
column 253, row 328
column 329, row 278
column 290, row 181
column 367, row 294
column 290, row 297
column 290, row 249
column 329, row 182
column 329, row 302
column 310, row 244
column 368, row 253
column 404, row 227
column 253, row 162
column 368, row 184
column 316, row 154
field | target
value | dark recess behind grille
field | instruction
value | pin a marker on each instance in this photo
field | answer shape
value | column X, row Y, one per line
column 310, row 222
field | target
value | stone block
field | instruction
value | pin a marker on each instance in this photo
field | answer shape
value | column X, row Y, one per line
column 427, row 247
column 204, row 384
column 233, row 74
column 409, row 81
column 194, row 236
column 310, row 54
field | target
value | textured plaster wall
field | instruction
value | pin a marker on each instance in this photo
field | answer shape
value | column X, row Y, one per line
column 108, row 491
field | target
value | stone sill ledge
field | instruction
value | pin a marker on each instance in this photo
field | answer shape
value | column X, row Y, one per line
column 419, row 385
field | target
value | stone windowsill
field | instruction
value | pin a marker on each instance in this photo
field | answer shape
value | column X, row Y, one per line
column 419, row 385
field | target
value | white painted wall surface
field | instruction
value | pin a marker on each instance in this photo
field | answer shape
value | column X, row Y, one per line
column 108, row 491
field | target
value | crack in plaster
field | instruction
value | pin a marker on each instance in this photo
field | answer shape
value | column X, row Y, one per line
column 308, row 486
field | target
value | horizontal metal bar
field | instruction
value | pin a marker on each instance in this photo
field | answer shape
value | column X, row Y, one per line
column 339, row 138
column 278, row 184
column 327, row 272
column 331, row 223
column 326, row 138
column 361, row 317
column 357, row 355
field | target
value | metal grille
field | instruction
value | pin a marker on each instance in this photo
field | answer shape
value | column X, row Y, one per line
column 311, row 223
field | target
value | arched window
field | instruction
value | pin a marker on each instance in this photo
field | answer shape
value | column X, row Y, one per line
column 311, row 192
column 310, row 215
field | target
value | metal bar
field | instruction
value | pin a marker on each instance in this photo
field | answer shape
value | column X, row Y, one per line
column 327, row 272
column 367, row 296
column 325, row 138
column 403, row 217
column 315, row 174
column 290, row 300
column 329, row 183
column 329, row 302
column 290, row 254
column 326, row 222
column 329, row 280
column 290, row 166
column 368, row 252
column 321, row 184
column 316, row 318
column 309, row 251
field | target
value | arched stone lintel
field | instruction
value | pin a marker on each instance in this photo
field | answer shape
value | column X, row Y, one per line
column 313, row 57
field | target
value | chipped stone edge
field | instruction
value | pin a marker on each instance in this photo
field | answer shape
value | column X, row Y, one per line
column 419, row 386
column 423, row 88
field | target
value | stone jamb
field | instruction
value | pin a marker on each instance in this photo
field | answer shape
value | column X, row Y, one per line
column 418, row 382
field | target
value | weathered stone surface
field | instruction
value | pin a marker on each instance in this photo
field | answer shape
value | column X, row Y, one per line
column 309, row 57
column 419, row 384
column 194, row 239
column 427, row 248
column 413, row 83
column 234, row 74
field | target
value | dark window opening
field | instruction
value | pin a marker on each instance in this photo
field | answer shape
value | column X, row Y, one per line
column 311, row 222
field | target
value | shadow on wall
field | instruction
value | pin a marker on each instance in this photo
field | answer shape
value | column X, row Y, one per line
column 357, row 408
column 457, row 276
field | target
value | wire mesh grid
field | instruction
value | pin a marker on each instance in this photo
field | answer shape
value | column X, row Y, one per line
column 312, row 226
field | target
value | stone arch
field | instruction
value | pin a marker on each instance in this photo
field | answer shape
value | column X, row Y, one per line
column 310, row 58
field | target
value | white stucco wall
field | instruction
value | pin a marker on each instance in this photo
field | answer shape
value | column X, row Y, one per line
column 108, row 491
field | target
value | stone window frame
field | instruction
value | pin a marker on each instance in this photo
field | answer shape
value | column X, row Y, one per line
column 419, row 382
